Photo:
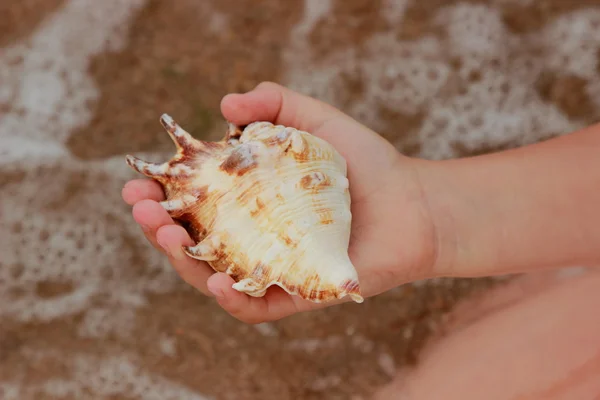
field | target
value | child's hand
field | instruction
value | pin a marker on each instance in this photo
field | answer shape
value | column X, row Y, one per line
column 392, row 240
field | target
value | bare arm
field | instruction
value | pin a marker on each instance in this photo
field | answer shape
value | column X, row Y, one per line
column 519, row 210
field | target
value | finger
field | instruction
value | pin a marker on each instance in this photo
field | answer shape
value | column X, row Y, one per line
column 151, row 216
column 275, row 103
column 141, row 189
column 275, row 305
column 171, row 238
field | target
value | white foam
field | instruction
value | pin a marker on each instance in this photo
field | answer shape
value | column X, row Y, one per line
column 9, row 391
column 314, row 10
column 321, row 81
column 323, row 383
column 168, row 345
column 474, row 30
column 17, row 150
column 267, row 329
column 99, row 322
column 313, row 345
column 498, row 108
column 103, row 377
column 393, row 10
column 572, row 42
column 387, row 364
column 51, row 81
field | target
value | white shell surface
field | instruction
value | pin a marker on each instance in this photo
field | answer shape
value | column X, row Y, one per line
column 269, row 205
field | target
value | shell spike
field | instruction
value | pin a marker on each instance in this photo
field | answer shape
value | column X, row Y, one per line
column 182, row 139
column 351, row 288
column 151, row 170
column 206, row 250
column 177, row 205
column 233, row 131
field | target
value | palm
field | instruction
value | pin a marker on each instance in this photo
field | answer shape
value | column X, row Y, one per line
column 379, row 190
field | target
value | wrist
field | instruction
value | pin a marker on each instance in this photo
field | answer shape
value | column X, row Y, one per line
column 426, row 225
column 516, row 211
column 440, row 209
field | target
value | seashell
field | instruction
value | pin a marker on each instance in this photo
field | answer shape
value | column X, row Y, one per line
column 268, row 205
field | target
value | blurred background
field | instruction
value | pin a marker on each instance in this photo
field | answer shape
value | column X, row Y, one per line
column 89, row 310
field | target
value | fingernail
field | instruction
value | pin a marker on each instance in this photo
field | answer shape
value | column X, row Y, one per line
column 128, row 184
column 164, row 247
column 145, row 228
column 218, row 293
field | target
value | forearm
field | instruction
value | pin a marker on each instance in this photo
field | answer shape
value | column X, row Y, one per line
column 519, row 210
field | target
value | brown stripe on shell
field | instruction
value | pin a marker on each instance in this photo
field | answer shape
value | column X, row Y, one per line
column 214, row 146
column 279, row 138
column 236, row 272
column 183, row 159
column 309, row 289
column 233, row 131
column 251, row 192
column 187, row 217
column 313, row 282
column 260, row 206
column 315, row 181
column 302, row 289
column 192, row 226
column 240, row 161
column 150, row 169
column 299, row 149
column 261, row 273
column 200, row 193
column 306, row 181
column 302, row 151
column 184, row 141
column 325, row 216
column 352, row 288
column 287, row 240
column 179, row 188
column 193, row 156
column 223, row 261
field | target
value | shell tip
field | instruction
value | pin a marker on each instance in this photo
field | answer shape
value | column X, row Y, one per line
column 170, row 125
column 356, row 298
column 130, row 160
column 149, row 169
column 205, row 250
column 182, row 139
column 166, row 120
column 234, row 131
column 351, row 288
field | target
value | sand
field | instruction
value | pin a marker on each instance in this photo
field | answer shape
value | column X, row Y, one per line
column 89, row 310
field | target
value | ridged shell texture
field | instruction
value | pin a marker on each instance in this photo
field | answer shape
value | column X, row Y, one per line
column 268, row 205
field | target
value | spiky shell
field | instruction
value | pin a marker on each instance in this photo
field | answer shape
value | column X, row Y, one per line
column 268, row 205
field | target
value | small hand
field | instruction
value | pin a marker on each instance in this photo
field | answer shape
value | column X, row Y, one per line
column 392, row 240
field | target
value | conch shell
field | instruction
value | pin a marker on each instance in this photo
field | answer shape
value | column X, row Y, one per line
column 268, row 205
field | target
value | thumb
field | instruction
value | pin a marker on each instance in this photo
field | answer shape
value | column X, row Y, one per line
column 274, row 103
